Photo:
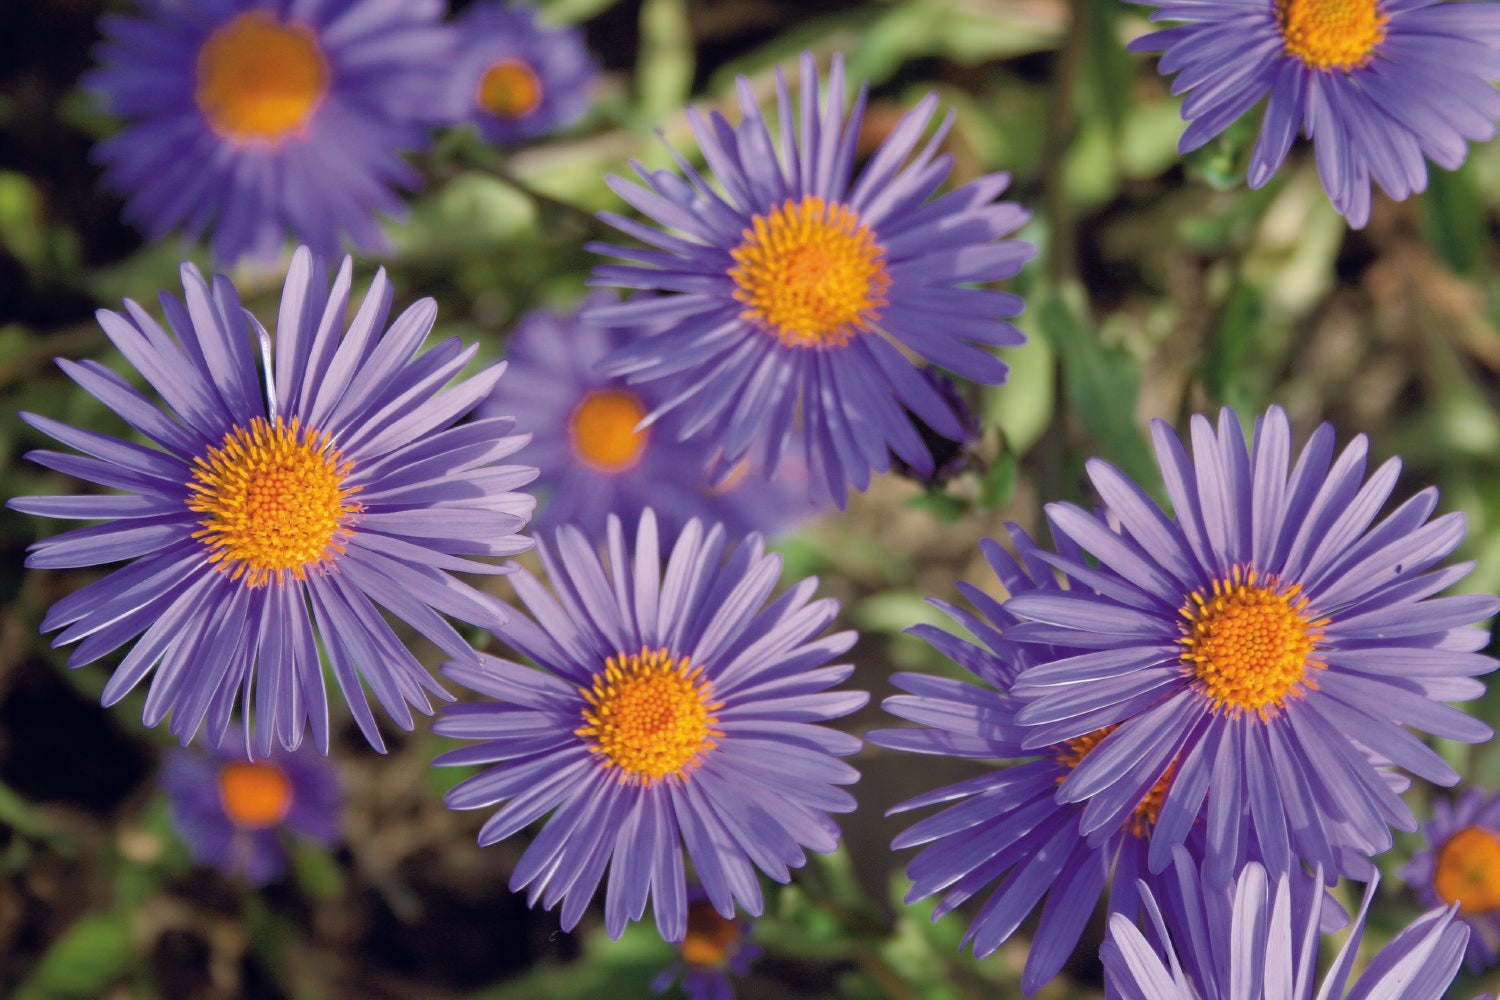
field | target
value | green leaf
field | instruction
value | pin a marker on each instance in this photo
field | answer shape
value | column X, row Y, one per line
column 1226, row 374
column 1453, row 218
column 664, row 70
column 315, row 871
column 84, row 962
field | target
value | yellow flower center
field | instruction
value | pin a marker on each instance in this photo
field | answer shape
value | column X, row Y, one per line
column 1331, row 34
column 256, row 795
column 711, row 939
column 1250, row 643
column 275, row 501
column 810, row 273
column 602, row 430
column 260, row 79
column 650, row 715
column 509, row 89
column 1143, row 818
column 1468, row 870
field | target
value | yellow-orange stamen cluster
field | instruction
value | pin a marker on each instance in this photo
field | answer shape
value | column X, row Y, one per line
column 254, row 795
column 649, row 714
column 275, row 501
column 1331, row 34
column 1250, row 643
column 259, row 79
column 509, row 89
column 602, row 429
column 1143, row 817
column 810, row 273
column 1468, row 870
column 711, row 939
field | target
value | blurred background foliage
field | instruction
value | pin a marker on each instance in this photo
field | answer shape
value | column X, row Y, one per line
column 1163, row 287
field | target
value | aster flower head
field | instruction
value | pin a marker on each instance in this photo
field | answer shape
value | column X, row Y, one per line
column 249, row 119
column 234, row 814
column 513, row 77
column 1461, row 866
column 285, row 497
column 597, row 459
column 669, row 707
column 1259, row 938
column 714, row 951
column 1376, row 84
column 1253, row 661
column 798, row 291
column 1005, row 831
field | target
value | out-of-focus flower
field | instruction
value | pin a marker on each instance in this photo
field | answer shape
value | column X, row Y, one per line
column 1461, row 864
column 797, row 291
column 280, row 504
column 233, row 813
column 255, row 118
column 670, row 707
column 714, row 950
column 1376, row 84
column 596, row 459
column 512, row 77
column 1259, row 939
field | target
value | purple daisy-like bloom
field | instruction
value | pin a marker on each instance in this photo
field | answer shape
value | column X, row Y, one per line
column 252, row 118
column 670, row 707
column 713, row 952
column 1376, row 84
column 1006, row 828
column 1259, row 939
column 234, row 813
column 595, row 461
column 1254, row 659
column 1461, row 864
column 286, row 496
column 798, row 291
column 514, row 78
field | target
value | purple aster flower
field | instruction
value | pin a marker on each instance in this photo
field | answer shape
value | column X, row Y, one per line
column 1253, row 939
column 1376, row 84
column 252, row 118
column 1261, row 652
column 1007, row 829
column 280, row 504
column 799, row 291
column 669, row 707
column 233, row 812
column 512, row 77
column 595, row 458
column 1461, row 864
column 714, row 950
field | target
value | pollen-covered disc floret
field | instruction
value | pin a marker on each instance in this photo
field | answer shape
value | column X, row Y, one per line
column 1250, row 643
column 255, row 794
column 274, row 499
column 1331, row 34
column 509, row 89
column 1468, row 870
column 603, row 429
column 259, row 78
column 810, row 273
column 1143, row 817
column 650, row 716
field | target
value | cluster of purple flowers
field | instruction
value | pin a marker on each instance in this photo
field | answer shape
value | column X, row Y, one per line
column 1202, row 712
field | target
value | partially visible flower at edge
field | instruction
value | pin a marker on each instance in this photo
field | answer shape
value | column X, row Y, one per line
column 1376, row 84
column 1461, row 864
column 233, row 813
column 714, row 951
column 255, row 118
column 1259, row 938
column 286, row 496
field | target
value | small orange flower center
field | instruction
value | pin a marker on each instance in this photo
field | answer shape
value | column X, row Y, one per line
column 1331, row 34
column 810, row 273
column 650, row 715
column 1468, row 870
column 1250, row 643
column 1143, row 818
column 602, row 429
column 275, row 501
column 509, row 89
column 711, row 939
column 256, row 795
column 259, row 79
